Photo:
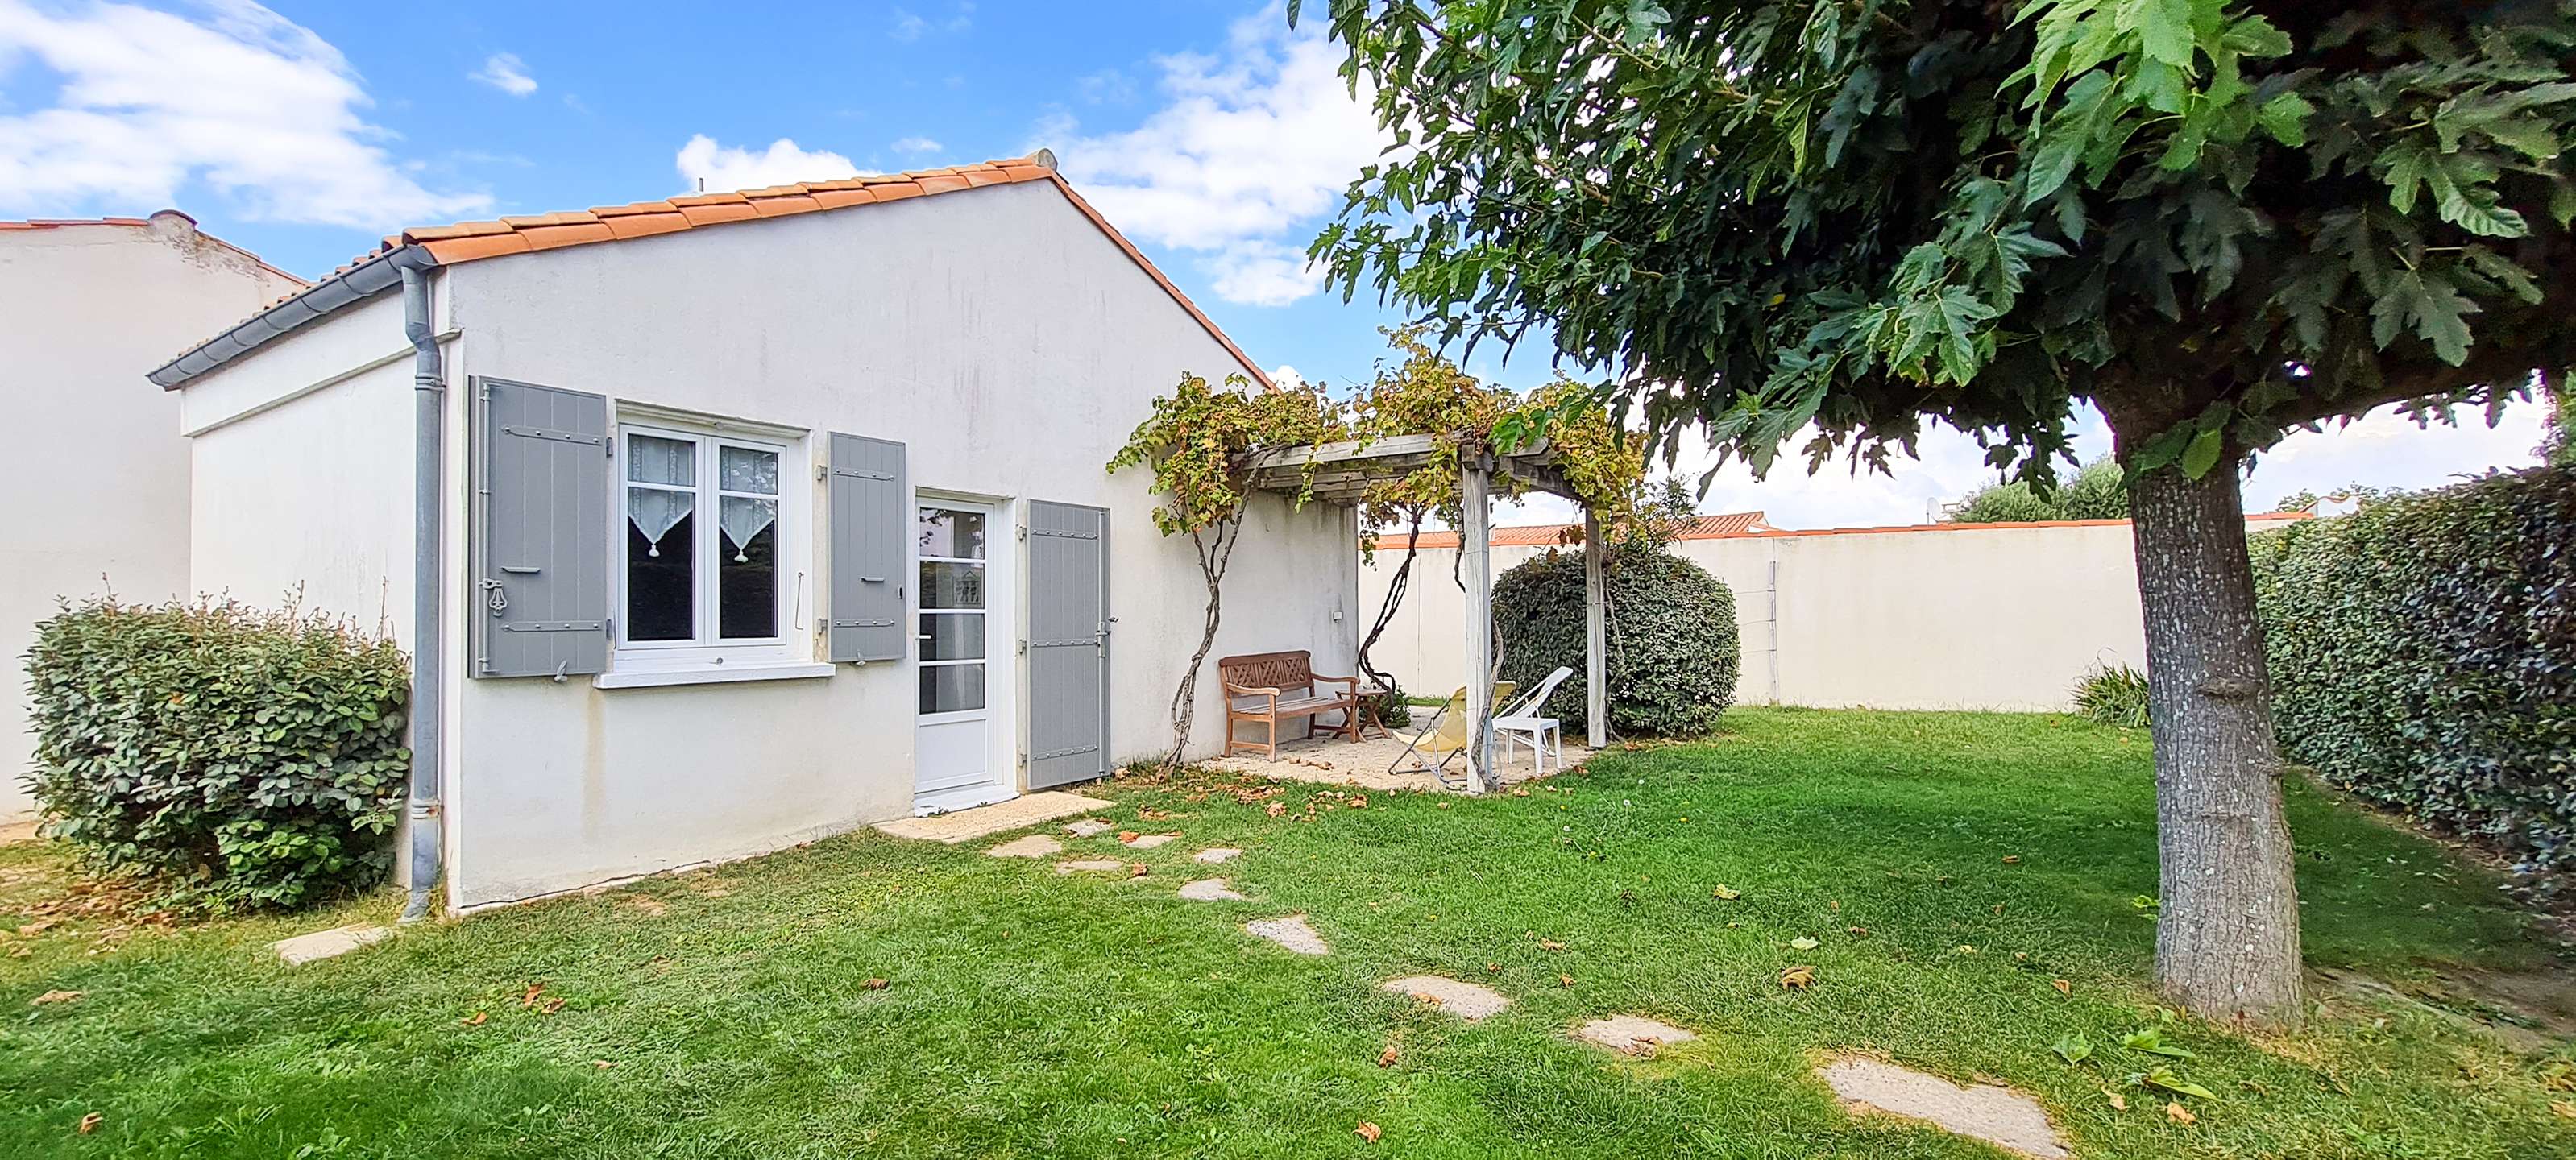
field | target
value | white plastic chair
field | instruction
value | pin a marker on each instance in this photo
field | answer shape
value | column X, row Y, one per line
column 1544, row 734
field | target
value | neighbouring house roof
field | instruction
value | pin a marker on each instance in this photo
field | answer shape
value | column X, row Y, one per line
column 1750, row 524
column 146, row 223
column 431, row 246
column 1547, row 535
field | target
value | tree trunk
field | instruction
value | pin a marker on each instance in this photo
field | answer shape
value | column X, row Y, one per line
column 1395, row 586
column 1213, row 557
column 2227, row 942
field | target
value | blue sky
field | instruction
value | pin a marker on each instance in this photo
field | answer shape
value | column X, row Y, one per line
column 1206, row 131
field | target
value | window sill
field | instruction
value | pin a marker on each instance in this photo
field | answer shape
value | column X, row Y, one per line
column 709, row 675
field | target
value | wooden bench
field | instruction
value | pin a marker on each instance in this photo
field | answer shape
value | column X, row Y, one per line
column 1266, row 687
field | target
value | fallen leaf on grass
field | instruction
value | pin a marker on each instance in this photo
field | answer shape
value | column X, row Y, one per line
column 1798, row 978
column 2565, row 1108
column 1726, row 892
column 877, row 984
column 551, row 1006
column 530, row 998
column 56, row 997
column 2179, row 1114
column 1857, row 931
column 1128, row 835
column 1387, row 1058
column 1549, row 944
column 1519, row 792
column 39, row 926
column 1493, row 968
column 1368, row 1131
column 1138, row 870
column 474, row 1020
column 2012, row 859
column 2063, row 987
column 2164, row 1078
column 2151, row 1041
column 1565, row 980
column 1276, row 809
column 2073, row 1047
column 1428, row 997
column 603, row 1064
column 90, row 1122
column 2119, row 1103
column 1802, row 943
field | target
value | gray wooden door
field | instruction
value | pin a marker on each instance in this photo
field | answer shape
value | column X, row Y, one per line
column 1068, row 637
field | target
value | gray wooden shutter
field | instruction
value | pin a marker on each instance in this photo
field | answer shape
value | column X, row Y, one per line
column 540, row 533
column 1068, row 655
column 871, row 529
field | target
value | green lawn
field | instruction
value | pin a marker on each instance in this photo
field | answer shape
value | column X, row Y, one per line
column 1033, row 1015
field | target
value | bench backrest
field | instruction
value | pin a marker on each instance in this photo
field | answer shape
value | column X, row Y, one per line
column 1272, row 670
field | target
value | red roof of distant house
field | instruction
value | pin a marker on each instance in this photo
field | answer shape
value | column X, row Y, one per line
column 1543, row 535
column 1750, row 524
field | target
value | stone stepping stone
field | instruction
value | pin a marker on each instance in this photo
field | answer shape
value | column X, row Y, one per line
column 1634, row 1034
column 1149, row 841
column 1098, row 865
column 1999, row 1116
column 1464, row 1000
column 1290, row 932
column 1088, row 827
column 1033, row 846
column 1209, row 890
column 327, row 944
column 1215, row 854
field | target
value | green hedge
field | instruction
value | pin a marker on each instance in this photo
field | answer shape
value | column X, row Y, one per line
column 2423, row 655
column 246, row 758
column 1673, row 647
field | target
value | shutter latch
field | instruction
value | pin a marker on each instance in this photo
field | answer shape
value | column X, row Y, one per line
column 494, row 598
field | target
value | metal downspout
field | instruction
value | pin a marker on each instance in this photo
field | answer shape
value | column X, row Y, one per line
column 429, row 397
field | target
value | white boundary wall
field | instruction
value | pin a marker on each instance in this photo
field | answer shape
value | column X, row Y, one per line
column 1945, row 616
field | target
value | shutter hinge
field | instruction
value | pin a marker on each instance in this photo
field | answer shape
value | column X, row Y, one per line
column 1024, row 533
column 822, row 472
column 1024, row 648
column 609, row 627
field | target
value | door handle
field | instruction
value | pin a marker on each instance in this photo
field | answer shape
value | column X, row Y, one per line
column 520, row 569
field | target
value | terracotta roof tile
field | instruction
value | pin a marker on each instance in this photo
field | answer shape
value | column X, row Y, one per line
column 520, row 234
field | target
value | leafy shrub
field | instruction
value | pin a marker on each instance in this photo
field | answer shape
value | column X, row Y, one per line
column 2099, row 492
column 2423, row 654
column 2113, row 695
column 1673, row 649
column 251, row 759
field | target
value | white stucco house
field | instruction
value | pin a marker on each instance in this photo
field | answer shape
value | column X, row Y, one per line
column 722, row 523
column 99, row 472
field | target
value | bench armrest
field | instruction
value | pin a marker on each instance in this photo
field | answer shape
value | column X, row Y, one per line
column 1353, row 682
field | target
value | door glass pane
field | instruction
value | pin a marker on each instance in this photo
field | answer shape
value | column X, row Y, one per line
column 661, row 587
column 951, row 688
column 747, row 568
column 952, row 636
column 959, row 535
column 747, row 469
column 951, row 585
column 652, row 459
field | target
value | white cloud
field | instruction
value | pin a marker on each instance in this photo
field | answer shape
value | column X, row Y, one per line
column 1285, row 375
column 240, row 101
column 1264, row 273
column 504, row 71
column 909, row 25
column 1106, row 87
column 1253, row 148
column 916, row 146
column 724, row 168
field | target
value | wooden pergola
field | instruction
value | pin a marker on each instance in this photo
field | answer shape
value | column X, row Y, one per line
column 1342, row 472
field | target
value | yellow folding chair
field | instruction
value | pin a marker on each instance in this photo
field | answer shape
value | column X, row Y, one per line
column 1445, row 735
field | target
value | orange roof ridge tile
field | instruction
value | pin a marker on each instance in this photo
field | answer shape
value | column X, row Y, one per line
column 448, row 245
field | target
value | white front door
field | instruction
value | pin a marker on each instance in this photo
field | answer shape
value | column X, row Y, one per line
column 963, row 630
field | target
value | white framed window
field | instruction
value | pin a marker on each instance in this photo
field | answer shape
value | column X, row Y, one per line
column 711, row 529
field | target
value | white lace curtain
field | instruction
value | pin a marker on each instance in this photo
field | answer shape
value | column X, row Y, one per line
column 744, row 518
column 654, row 513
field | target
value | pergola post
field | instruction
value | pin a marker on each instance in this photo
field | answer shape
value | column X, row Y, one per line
column 1596, row 636
column 1475, row 473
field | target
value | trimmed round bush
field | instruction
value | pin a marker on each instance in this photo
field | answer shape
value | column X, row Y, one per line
column 247, row 759
column 2423, row 654
column 1673, row 647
